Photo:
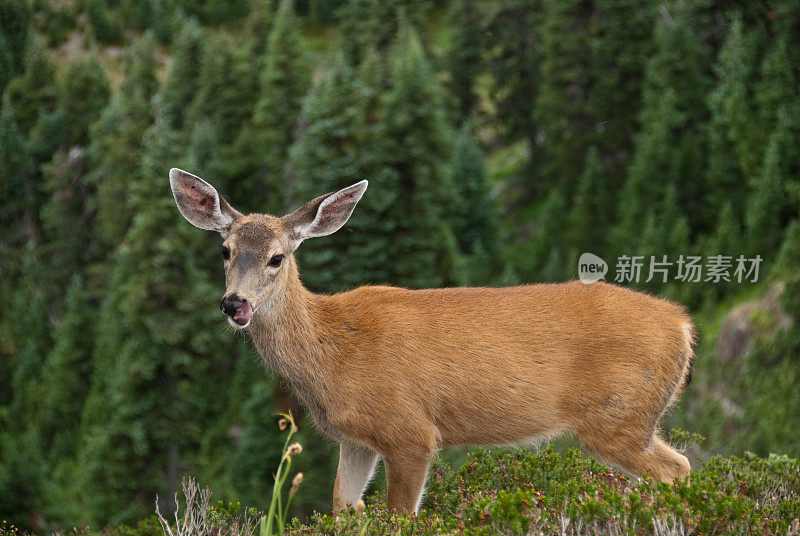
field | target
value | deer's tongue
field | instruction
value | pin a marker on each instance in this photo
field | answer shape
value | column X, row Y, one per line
column 243, row 314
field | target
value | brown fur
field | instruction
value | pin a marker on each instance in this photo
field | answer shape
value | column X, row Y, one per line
column 402, row 373
column 407, row 372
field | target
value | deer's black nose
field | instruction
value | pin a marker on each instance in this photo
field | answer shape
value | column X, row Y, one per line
column 230, row 304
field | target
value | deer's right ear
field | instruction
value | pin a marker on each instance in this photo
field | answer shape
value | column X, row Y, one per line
column 200, row 203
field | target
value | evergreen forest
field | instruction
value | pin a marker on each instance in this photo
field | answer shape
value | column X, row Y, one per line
column 502, row 139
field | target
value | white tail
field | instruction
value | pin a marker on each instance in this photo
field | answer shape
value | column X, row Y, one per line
column 398, row 374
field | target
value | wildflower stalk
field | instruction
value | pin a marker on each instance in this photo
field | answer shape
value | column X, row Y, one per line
column 277, row 511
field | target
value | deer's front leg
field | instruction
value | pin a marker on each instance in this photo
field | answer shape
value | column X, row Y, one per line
column 356, row 467
column 405, row 477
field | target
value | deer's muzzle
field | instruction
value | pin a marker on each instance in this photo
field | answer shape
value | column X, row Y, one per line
column 238, row 309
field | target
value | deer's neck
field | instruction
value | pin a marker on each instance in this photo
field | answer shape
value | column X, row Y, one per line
column 291, row 338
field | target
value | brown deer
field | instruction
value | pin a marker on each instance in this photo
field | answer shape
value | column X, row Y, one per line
column 398, row 374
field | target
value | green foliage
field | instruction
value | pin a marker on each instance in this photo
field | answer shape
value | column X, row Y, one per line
column 335, row 150
column 669, row 147
column 184, row 77
column 620, row 44
column 283, row 84
column 274, row 522
column 405, row 232
column 54, row 21
column 770, row 372
column 374, row 24
column 417, row 142
column 107, row 24
column 464, row 59
column 116, row 143
column 145, row 357
column 15, row 36
column 513, row 61
column 476, row 225
column 562, row 111
column 253, row 463
column 214, row 12
column 522, row 491
column 501, row 140
column 83, row 93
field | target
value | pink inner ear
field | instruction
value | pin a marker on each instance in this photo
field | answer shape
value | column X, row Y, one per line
column 197, row 195
column 338, row 205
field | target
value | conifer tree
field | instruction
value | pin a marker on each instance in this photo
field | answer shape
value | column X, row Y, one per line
column 514, row 65
column 257, row 28
column 620, row 44
column 263, row 145
column 65, row 372
column 184, row 76
column 464, row 58
column 33, row 93
column 385, row 21
column 116, row 143
column 562, row 110
column 403, row 232
column 589, row 219
column 29, row 132
column 373, row 24
column 17, row 190
column 151, row 391
column 223, row 97
column 353, row 41
column 31, row 104
column 334, row 150
column 6, row 65
column 67, row 220
column 731, row 101
column 513, row 62
column 416, row 147
column 540, row 256
column 83, row 92
column 15, row 36
column 21, row 463
column 476, row 230
column 226, row 137
column 670, row 147
column 769, row 208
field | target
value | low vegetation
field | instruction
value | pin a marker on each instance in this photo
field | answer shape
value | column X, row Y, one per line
column 518, row 491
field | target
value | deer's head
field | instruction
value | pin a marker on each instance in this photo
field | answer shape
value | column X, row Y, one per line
column 258, row 249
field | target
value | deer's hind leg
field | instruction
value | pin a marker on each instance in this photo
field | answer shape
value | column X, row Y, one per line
column 654, row 458
column 621, row 430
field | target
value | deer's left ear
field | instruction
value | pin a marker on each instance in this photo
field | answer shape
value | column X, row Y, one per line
column 200, row 203
column 324, row 215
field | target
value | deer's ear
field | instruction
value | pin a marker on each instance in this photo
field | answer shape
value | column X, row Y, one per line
column 200, row 203
column 324, row 215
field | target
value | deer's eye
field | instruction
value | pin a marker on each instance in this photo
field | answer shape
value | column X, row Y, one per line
column 276, row 260
column 226, row 253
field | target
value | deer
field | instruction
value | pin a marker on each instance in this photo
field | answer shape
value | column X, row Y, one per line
column 397, row 374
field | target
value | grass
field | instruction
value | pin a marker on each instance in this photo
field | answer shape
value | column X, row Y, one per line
column 519, row 492
column 524, row 492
